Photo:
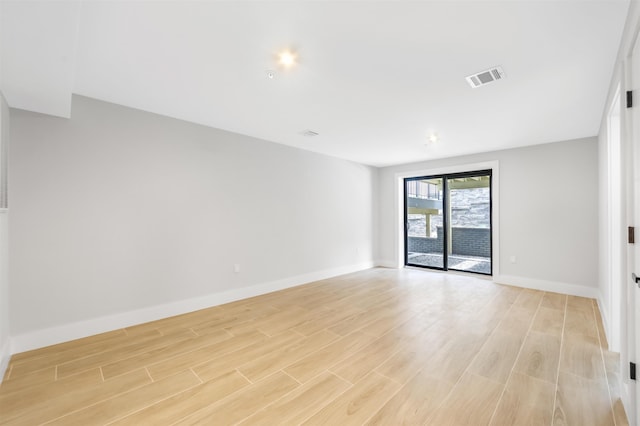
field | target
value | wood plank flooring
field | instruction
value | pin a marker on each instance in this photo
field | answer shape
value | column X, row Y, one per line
column 378, row 347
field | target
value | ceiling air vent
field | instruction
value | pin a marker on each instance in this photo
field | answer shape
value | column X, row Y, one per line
column 485, row 77
column 309, row 133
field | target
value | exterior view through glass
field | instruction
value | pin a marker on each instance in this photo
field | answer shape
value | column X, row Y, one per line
column 448, row 222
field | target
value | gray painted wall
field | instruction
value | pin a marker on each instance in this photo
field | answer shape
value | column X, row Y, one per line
column 4, row 254
column 548, row 210
column 118, row 209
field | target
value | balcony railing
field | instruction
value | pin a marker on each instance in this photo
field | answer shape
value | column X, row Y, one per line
column 424, row 190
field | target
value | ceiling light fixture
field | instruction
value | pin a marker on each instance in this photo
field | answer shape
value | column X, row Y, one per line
column 271, row 74
column 434, row 138
column 287, row 58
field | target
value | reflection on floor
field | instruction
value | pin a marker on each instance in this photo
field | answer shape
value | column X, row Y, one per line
column 457, row 262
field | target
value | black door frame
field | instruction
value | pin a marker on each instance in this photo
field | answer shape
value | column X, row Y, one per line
column 445, row 218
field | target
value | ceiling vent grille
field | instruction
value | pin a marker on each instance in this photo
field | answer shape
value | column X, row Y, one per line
column 485, row 77
column 309, row 133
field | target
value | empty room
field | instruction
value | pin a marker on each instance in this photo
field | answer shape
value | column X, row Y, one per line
column 319, row 212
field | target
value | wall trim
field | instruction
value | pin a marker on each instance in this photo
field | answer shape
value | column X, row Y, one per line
column 523, row 282
column 550, row 286
column 604, row 314
column 387, row 264
column 5, row 356
column 66, row 332
column 71, row 331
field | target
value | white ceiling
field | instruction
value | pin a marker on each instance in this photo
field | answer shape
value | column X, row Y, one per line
column 374, row 78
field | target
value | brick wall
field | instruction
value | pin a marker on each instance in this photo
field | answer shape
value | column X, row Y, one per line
column 466, row 242
column 425, row 244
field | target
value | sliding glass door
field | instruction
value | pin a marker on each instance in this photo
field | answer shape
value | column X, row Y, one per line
column 424, row 240
column 448, row 221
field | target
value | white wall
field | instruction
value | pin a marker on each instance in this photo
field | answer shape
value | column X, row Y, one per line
column 548, row 214
column 617, row 83
column 612, row 154
column 619, row 325
column 4, row 277
column 117, row 210
column 604, row 270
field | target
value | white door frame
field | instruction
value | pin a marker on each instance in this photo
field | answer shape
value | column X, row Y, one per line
column 616, row 222
column 495, row 206
column 630, row 135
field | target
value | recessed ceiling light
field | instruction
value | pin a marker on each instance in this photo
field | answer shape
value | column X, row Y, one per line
column 271, row 74
column 433, row 138
column 287, row 58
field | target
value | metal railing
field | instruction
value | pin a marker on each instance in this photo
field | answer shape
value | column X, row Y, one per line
column 420, row 189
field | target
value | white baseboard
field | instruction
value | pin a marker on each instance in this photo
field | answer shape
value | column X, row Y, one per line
column 532, row 283
column 516, row 281
column 604, row 314
column 550, row 286
column 386, row 264
column 63, row 333
column 5, row 356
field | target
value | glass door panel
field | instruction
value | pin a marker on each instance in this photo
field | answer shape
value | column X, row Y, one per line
column 424, row 222
column 469, row 223
column 448, row 222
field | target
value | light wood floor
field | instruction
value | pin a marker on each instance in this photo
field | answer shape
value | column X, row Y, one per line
column 383, row 347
